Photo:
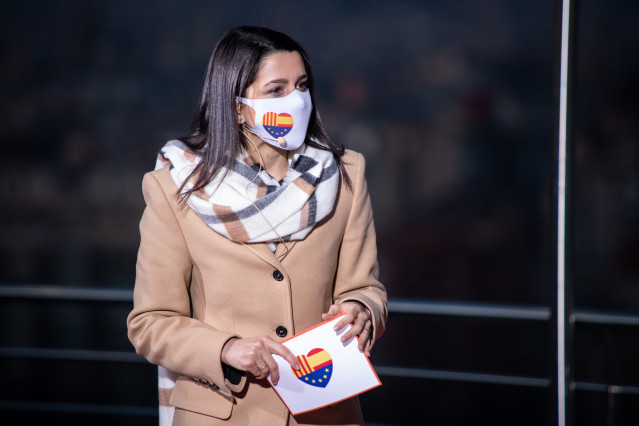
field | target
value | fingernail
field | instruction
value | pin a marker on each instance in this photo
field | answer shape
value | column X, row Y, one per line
column 297, row 366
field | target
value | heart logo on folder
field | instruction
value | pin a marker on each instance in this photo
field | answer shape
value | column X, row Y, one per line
column 316, row 368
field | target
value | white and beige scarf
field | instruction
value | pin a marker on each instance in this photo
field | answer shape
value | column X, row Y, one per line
column 246, row 204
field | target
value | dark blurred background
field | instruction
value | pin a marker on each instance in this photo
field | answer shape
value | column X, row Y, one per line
column 455, row 106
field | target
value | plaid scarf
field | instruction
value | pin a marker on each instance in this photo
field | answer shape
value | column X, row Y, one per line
column 245, row 206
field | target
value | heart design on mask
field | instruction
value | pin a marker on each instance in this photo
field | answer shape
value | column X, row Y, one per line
column 316, row 368
column 277, row 125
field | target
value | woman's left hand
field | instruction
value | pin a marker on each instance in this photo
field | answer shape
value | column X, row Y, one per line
column 359, row 317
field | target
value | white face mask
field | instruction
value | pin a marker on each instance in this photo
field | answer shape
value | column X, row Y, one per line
column 281, row 122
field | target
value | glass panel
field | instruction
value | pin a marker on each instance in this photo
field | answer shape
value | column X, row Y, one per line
column 449, row 101
column 490, row 346
column 79, row 382
column 607, row 354
column 456, row 123
column 65, row 324
column 595, row 408
column 14, row 417
column 425, row 402
column 606, row 155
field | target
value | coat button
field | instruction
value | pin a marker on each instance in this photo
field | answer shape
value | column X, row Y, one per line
column 278, row 275
column 281, row 331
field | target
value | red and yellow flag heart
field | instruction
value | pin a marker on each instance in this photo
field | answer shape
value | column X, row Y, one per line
column 316, row 368
column 277, row 125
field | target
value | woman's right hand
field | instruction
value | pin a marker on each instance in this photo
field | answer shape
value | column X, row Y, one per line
column 255, row 355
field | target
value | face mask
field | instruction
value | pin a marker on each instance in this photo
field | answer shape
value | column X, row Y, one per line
column 281, row 122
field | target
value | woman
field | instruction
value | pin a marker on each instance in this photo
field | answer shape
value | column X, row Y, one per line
column 256, row 227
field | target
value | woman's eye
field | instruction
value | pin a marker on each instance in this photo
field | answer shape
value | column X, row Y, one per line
column 302, row 87
column 276, row 90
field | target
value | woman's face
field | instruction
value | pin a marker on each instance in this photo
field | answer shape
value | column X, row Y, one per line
column 278, row 75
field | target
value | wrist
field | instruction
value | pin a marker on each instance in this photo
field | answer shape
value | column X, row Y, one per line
column 225, row 349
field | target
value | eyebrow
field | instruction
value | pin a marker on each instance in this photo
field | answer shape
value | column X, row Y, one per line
column 284, row 81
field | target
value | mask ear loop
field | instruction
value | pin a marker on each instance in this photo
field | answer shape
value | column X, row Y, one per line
column 286, row 249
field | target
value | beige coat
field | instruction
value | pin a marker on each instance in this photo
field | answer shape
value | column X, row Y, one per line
column 195, row 289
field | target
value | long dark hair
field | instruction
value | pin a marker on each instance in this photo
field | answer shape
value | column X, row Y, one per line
column 215, row 134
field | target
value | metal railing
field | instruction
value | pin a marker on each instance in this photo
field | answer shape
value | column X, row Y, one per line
column 395, row 306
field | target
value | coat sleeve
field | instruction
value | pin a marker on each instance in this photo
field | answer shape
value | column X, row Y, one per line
column 358, row 271
column 160, row 326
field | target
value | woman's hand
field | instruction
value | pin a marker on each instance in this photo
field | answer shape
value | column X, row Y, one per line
column 254, row 354
column 359, row 317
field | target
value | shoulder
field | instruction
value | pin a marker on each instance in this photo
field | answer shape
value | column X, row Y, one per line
column 355, row 167
column 159, row 184
column 354, row 162
column 161, row 177
column 352, row 157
